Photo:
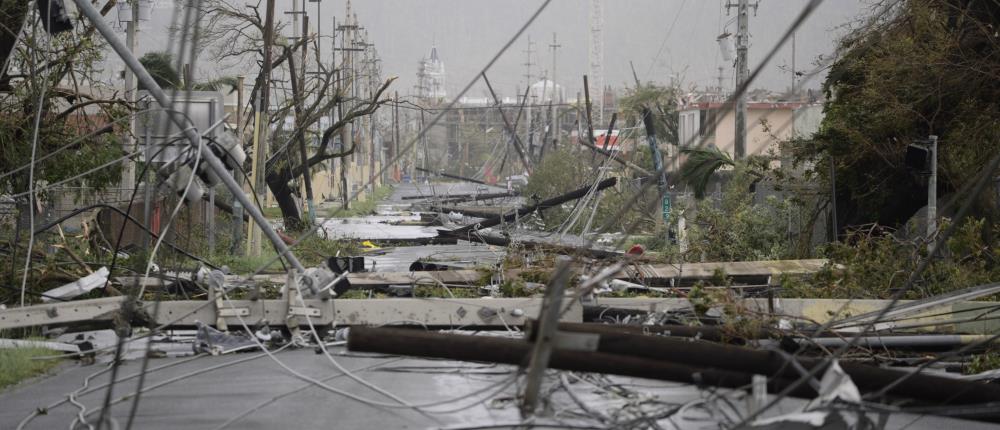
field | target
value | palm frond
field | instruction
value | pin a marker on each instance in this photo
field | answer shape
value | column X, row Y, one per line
column 700, row 166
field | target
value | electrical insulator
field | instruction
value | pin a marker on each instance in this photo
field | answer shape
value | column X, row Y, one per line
column 230, row 151
column 180, row 178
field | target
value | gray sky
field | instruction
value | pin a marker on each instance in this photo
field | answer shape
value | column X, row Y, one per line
column 469, row 32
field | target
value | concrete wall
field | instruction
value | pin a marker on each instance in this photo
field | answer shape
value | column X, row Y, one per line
column 765, row 128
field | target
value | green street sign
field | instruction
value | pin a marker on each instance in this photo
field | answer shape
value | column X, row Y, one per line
column 666, row 209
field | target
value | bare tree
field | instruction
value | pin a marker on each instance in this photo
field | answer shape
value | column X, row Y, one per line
column 237, row 30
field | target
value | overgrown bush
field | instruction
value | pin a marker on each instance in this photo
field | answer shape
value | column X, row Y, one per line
column 872, row 263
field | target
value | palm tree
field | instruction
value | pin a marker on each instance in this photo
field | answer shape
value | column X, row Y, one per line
column 703, row 163
column 160, row 66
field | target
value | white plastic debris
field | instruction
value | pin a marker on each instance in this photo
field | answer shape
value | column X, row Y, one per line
column 79, row 287
column 835, row 387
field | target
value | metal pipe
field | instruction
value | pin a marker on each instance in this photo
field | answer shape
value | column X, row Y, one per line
column 192, row 135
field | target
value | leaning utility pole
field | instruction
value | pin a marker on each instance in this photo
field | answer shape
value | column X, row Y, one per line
column 661, row 174
column 742, row 75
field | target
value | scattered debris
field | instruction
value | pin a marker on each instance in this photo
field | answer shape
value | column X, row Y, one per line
column 80, row 287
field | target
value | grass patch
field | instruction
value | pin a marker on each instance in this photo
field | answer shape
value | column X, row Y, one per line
column 272, row 212
column 313, row 251
column 359, row 208
column 16, row 364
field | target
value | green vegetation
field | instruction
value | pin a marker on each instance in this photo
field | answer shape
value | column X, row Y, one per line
column 17, row 364
column 872, row 264
column 161, row 66
column 988, row 360
column 272, row 212
column 925, row 67
column 359, row 207
column 312, row 251
column 661, row 102
column 569, row 169
column 67, row 116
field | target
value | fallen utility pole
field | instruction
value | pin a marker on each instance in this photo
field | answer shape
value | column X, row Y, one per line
column 455, row 198
column 616, row 158
column 498, row 240
column 449, row 175
column 555, row 201
column 515, row 351
column 478, row 212
column 926, row 388
column 687, row 361
column 480, row 197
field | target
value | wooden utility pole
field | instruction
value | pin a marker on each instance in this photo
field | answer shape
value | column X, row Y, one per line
column 590, row 122
column 237, row 248
column 261, row 129
column 395, row 134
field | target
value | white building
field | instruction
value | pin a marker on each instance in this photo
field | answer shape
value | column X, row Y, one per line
column 545, row 91
column 431, row 77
